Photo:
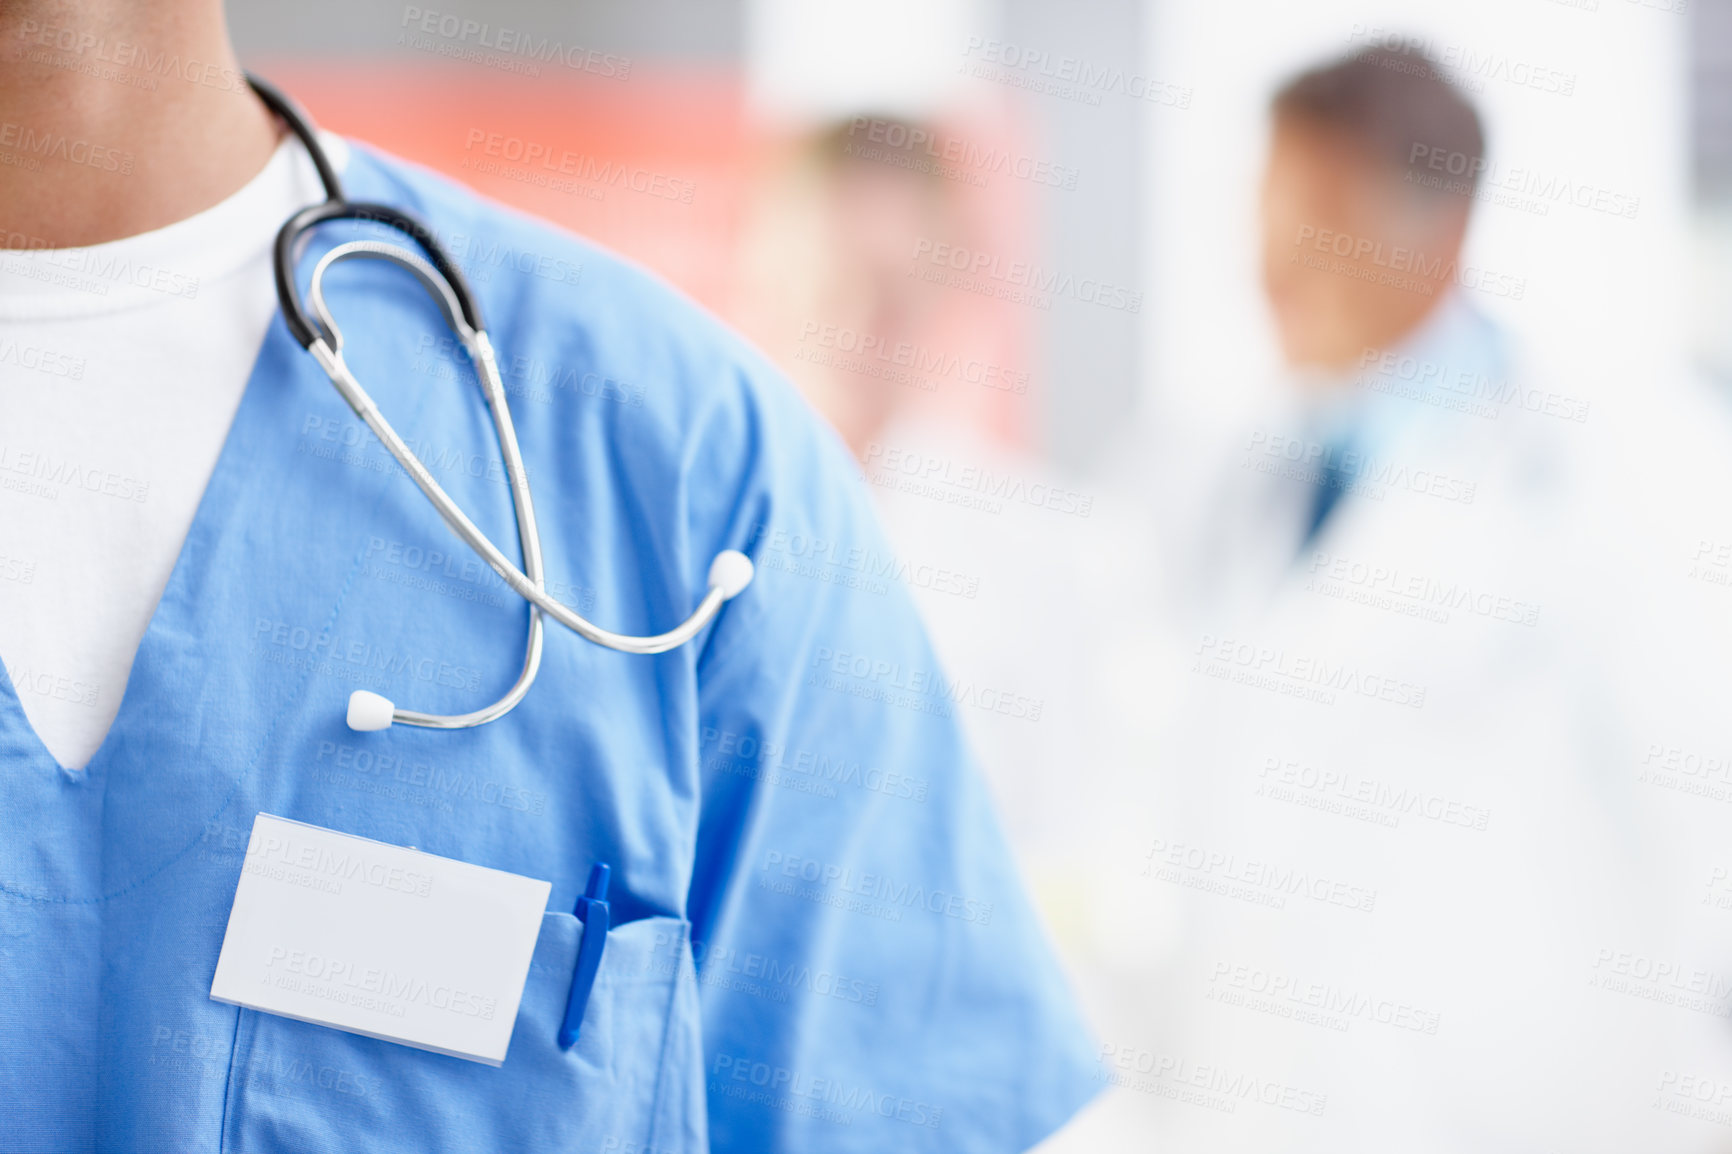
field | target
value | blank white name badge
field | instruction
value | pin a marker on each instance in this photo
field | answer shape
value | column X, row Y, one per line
column 379, row 940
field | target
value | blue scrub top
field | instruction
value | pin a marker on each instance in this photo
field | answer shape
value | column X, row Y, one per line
column 820, row 943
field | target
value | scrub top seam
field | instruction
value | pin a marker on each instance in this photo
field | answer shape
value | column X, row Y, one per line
column 228, row 798
column 264, row 744
column 229, row 1083
column 653, row 1138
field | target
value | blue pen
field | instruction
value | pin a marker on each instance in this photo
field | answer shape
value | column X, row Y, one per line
column 592, row 911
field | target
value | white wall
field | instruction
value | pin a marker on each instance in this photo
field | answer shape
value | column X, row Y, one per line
column 814, row 60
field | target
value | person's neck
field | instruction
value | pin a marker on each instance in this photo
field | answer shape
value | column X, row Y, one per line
column 118, row 117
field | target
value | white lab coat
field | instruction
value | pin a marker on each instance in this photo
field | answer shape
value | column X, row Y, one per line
column 1409, row 875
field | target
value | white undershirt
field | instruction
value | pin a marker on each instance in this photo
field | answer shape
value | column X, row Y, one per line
column 121, row 367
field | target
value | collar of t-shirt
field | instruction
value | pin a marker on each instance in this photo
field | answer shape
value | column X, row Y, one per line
column 169, row 263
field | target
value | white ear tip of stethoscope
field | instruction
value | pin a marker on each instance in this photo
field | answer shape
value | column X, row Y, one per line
column 369, row 711
column 731, row 572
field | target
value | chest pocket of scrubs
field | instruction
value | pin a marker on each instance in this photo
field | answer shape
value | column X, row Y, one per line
column 626, row 1084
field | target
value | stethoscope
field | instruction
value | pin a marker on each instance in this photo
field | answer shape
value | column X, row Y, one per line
column 729, row 573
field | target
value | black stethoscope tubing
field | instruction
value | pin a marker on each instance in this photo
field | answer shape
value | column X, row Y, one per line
column 338, row 207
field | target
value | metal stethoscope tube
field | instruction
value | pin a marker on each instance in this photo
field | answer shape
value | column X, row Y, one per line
column 729, row 573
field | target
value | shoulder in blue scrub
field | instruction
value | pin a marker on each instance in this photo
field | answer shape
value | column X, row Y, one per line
column 818, row 941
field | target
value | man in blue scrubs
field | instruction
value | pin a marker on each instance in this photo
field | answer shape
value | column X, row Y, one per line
column 818, row 942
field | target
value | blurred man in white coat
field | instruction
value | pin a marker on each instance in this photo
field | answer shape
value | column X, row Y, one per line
column 1409, row 875
column 1368, row 190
